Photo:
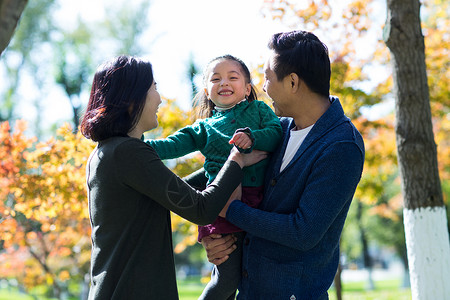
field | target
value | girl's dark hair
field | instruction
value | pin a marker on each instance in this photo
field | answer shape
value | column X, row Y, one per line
column 302, row 53
column 204, row 107
column 118, row 95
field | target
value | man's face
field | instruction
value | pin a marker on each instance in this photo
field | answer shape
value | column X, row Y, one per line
column 273, row 87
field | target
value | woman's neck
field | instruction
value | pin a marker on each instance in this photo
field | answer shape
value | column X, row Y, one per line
column 135, row 133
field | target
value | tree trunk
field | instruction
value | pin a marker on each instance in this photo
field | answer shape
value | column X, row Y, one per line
column 424, row 212
column 338, row 282
column 10, row 12
column 367, row 260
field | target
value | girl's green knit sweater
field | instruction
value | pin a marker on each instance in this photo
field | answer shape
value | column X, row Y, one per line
column 210, row 136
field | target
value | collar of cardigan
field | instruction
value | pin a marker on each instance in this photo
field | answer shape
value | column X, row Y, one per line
column 219, row 111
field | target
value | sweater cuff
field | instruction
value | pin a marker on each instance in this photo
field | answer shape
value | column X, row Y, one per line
column 248, row 132
column 235, row 207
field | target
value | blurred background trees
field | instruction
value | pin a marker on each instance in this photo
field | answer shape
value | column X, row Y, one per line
column 44, row 226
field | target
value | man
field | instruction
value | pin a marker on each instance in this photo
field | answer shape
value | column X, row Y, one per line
column 291, row 250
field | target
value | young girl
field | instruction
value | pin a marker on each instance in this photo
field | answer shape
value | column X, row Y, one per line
column 230, row 114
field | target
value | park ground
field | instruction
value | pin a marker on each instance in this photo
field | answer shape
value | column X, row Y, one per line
column 387, row 286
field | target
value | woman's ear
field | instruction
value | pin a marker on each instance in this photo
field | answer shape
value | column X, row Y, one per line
column 130, row 109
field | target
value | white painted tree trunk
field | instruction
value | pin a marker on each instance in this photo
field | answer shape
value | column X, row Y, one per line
column 427, row 242
column 425, row 219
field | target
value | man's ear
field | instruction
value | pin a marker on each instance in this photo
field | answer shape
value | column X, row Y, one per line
column 295, row 82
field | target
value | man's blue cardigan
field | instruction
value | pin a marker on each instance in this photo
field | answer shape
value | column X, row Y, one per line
column 291, row 250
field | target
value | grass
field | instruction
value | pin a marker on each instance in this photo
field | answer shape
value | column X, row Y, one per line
column 191, row 290
column 13, row 294
column 384, row 290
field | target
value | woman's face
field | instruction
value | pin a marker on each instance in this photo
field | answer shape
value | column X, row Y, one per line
column 149, row 119
column 226, row 85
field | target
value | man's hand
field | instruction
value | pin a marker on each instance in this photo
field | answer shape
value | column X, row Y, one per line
column 218, row 248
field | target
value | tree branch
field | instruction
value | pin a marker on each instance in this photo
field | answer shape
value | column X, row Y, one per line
column 10, row 12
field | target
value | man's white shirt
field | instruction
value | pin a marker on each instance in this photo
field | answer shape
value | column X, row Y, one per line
column 295, row 140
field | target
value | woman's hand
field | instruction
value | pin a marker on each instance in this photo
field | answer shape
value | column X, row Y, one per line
column 245, row 160
column 237, row 195
column 218, row 248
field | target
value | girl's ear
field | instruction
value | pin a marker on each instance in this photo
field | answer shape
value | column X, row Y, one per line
column 248, row 89
column 206, row 92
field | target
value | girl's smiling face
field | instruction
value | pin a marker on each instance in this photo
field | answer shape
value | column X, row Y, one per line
column 226, row 84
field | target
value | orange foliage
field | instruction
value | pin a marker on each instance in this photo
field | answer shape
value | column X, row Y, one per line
column 310, row 13
column 45, row 226
column 357, row 14
column 171, row 118
column 389, row 210
column 43, row 205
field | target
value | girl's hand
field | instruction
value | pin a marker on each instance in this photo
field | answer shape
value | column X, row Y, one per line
column 241, row 140
column 245, row 160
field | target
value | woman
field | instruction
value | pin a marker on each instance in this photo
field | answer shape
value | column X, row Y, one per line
column 131, row 192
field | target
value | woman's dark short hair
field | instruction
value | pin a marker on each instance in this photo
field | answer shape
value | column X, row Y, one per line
column 302, row 53
column 118, row 95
